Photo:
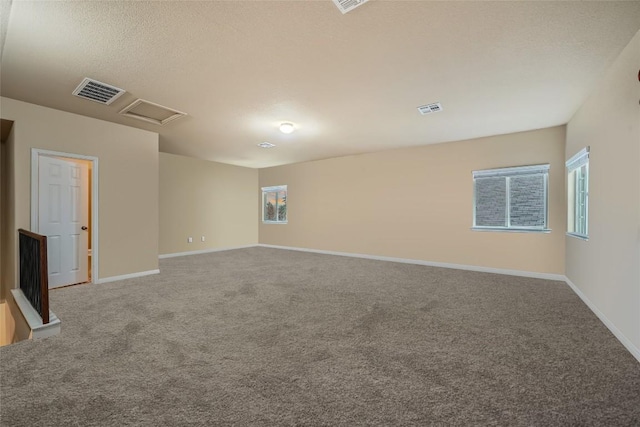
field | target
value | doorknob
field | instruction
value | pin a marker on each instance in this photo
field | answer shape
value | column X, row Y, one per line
column 85, row 228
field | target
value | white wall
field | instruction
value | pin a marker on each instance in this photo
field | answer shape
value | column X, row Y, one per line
column 606, row 268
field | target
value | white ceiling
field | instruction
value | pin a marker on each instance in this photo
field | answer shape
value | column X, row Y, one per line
column 350, row 83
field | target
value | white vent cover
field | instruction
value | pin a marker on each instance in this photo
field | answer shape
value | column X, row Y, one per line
column 348, row 5
column 266, row 145
column 96, row 91
column 430, row 108
column 151, row 112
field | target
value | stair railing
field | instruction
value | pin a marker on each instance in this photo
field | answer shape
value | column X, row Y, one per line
column 34, row 276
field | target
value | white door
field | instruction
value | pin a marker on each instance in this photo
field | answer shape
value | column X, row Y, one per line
column 63, row 214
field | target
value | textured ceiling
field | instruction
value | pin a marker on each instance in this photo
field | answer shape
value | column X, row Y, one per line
column 350, row 83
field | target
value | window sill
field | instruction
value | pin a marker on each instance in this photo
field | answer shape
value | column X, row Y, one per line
column 513, row 230
column 275, row 222
column 578, row 236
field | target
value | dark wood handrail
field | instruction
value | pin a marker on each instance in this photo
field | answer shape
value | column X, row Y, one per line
column 32, row 234
column 34, row 275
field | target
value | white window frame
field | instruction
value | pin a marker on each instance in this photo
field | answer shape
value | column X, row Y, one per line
column 275, row 188
column 577, row 215
column 509, row 172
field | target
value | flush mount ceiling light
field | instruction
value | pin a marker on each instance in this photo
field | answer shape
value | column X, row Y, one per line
column 266, row 145
column 286, row 127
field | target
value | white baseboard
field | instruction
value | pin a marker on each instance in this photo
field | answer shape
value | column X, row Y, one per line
column 127, row 276
column 204, row 251
column 38, row 329
column 635, row 351
column 532, row 274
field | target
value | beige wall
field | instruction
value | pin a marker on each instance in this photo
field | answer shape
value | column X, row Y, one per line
column 416, row 203
column 606, row 268
column 15, row 327
column 2, row 218
column 3, row 324
column 202, row 198
column 8, row 216
column 11, row 329
column 128, row 182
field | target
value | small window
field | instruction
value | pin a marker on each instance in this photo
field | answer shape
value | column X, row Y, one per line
column 578, row 195
column 274, row 204
column 511, row 199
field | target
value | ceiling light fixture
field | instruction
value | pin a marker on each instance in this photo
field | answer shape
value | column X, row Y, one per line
column 266, row 145
column 286, row 127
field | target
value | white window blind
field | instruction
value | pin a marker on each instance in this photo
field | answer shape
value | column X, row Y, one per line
column 511, row 199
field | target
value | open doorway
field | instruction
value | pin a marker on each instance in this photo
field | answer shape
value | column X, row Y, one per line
column 64, row 200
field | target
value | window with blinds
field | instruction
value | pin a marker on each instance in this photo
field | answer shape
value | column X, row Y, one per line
column 511, row 199
column 578, row 194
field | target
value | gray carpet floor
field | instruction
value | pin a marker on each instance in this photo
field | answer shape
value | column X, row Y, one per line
column 270, row 337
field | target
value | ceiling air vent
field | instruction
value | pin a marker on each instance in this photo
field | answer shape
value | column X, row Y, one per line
column 266, row 145
column 430, row 108
column 348, row 5
column 96, row 91
column 151, row 112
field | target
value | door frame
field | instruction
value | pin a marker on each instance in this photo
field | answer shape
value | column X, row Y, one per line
column 35, row 162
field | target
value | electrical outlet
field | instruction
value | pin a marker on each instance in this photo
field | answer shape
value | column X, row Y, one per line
column 190, row 240
column 202, row 239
